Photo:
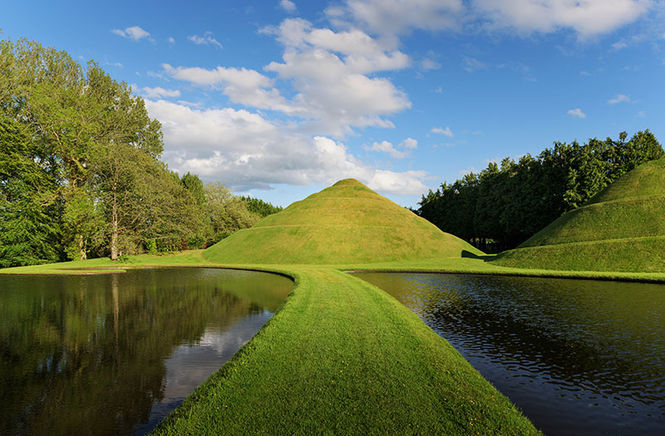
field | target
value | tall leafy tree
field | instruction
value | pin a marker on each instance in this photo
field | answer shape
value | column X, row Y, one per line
column 28, row 211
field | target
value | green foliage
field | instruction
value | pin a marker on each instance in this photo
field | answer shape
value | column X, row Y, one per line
column 345, row 223
column 27, row 200
column 151, row 246
column 227, row 213
column 89, row 181
column 620, row 229
column 260, row 207
column 504, row 205
column 193, row 184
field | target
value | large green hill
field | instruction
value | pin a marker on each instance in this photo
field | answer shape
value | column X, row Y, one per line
column 345, row 223
column 620, row 229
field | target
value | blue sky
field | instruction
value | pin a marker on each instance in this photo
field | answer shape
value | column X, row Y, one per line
column 282, row 98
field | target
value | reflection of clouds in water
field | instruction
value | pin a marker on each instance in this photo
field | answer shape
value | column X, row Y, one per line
column 191, row 364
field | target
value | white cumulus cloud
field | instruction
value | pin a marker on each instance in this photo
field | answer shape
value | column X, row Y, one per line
column 388, row 147
column 391, row 18
column 248, row 151
column 621, row 98
column 446, row 132
column 576, row 113
column 243, row 86
column 156, row 92
column 586, row 17
column 394, row 17
column 135, row 33
column 409, row 143
column 288, row 6
column 206, row 39
column 333, row 74
column 330, row 72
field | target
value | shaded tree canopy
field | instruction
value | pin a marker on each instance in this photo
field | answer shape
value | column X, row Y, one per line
column 507, row 203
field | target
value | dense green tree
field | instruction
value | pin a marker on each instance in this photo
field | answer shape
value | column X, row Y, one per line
column 260, row 207
column 227, row 213
column 193, row 184
column 505, row 204
column 28, row 233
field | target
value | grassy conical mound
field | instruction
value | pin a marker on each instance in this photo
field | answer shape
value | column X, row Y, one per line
column 620, row 229
column 346, row 223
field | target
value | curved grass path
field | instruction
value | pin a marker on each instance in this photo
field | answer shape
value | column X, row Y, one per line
column 345, row 357
column 341, row 356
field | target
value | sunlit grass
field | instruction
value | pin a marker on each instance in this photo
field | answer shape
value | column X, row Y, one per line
column 344, row 357
column 346, row 223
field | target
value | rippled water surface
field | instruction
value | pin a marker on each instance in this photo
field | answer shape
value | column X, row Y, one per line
column 577, row 356
column 114, row 353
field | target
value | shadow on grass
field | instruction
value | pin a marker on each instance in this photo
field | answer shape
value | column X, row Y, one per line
column 484, row 257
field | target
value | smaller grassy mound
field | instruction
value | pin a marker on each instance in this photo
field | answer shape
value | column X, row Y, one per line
column 343, row 357
column 345, row 223
column 621, row 229
column 644, row 181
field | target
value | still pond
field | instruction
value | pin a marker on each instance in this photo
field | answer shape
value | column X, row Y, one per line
column 114, row 353
column 578, row 357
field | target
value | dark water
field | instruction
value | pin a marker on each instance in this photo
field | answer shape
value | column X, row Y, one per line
column 114, row 353
column 578, row 357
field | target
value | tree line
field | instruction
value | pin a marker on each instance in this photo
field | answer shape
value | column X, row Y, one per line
column 80, row 169
column 506, row 203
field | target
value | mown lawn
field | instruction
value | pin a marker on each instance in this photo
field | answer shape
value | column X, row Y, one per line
column 344, row 357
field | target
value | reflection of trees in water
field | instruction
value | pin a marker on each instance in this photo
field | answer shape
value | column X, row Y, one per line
column 605, row 337
column 79, row 353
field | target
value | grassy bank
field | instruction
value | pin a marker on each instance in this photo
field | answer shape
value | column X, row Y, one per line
column 341, row 355
column 453, row 265
column 344, row 357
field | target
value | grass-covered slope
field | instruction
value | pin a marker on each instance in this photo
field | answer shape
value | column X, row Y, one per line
column 621, row 229
column 345, row 223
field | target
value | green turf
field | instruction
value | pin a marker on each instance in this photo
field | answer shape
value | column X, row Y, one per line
column 621, row 229
column 344, row 223
column 344, row 357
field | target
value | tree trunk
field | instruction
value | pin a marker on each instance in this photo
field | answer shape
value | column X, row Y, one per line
column 84, row 255
column 114, row 231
